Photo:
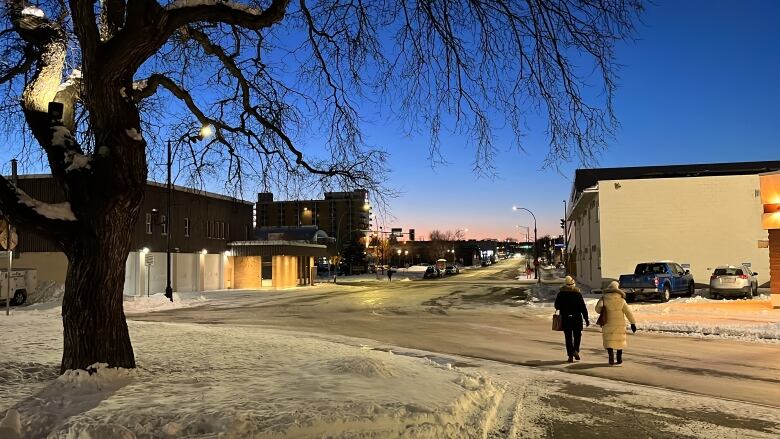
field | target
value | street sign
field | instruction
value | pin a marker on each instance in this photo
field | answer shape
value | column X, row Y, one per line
column 149, row 259
column 5, row 242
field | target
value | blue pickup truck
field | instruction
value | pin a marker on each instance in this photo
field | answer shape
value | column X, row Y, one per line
column 658, row 280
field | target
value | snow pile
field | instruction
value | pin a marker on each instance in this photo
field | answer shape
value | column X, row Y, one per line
column 95, row 378
column 46, row 291
column 221, row 381
column 158, row 302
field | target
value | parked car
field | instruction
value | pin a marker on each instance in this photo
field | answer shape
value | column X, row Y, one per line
column 431, row 272
column 733, row 280
column 452, row 269
column 658, row 280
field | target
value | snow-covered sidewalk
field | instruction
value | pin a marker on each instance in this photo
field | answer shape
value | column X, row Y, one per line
column 749, row 320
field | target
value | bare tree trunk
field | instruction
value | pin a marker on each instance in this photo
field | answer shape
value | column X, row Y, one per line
column 92, row 314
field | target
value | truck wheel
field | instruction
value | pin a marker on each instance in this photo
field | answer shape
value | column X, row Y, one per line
column 666, row 293
column 630, row 297
column 20, row 296
column 690, row 291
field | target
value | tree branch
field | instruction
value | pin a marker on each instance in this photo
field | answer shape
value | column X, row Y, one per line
column 52, row 221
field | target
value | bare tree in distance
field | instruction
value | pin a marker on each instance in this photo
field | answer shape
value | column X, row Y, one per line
column 287, row 87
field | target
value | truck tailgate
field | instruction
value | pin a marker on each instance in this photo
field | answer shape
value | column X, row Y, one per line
column 637, row 281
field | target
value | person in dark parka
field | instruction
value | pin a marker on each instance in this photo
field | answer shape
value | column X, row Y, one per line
column 573, row 310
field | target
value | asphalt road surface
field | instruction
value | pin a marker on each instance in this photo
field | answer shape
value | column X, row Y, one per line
column 480, row 315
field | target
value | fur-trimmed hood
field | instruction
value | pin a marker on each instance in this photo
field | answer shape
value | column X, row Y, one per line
column 570, row 289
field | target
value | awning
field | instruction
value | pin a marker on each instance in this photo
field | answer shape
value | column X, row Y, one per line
column 266, row 249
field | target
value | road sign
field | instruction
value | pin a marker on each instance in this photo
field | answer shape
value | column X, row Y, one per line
column 4, row 239
column 149, row 259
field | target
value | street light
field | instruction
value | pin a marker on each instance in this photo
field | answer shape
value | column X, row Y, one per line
column 565, row 236
column 205, row 132
column 536, row 249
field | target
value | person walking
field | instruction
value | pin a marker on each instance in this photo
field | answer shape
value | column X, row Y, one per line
column 613, row 332
column 573, row 310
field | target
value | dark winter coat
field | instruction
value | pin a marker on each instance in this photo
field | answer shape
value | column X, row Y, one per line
column 572, row 306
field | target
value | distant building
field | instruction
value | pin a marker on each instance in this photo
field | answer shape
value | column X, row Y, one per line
column 703, row 215
column 344, row 216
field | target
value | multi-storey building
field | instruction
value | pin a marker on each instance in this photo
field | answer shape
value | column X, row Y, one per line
column 700, row 215
column 201, row 225
column 344, row 216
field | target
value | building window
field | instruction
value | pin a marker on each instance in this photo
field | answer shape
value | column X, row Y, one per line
column 187, row 227
column 228, row 231
column 222, row 230
column 164, row 224
column 148, row 223
column 208, row 229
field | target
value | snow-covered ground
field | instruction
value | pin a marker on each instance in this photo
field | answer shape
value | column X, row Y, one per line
column 230, row 381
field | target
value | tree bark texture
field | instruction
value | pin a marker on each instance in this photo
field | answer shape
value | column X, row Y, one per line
column 92, row 313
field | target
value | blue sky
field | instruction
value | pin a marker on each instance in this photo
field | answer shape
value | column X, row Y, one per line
column 699, row 85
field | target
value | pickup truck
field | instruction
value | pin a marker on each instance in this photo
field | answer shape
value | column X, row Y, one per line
column 657, row 279
column 22, row 281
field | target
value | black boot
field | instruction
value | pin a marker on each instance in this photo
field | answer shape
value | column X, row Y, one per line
column 620, row 356
column 611, row 354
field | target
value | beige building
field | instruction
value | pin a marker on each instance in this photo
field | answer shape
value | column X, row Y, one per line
column 700, row 216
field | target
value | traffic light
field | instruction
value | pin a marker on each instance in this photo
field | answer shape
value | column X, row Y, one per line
column 563, row 224
column 411, row 234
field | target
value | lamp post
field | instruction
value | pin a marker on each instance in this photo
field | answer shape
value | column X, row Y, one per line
column 536, row 249
column 205, row 132
column 565, row 236
column 168, row 231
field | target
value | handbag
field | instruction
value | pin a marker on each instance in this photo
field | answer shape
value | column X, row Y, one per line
column 557, row 322
column 602, row 317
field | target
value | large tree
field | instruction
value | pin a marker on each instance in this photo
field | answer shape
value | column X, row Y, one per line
column 286, row 86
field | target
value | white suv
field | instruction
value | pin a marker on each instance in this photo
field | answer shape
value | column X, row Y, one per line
column 733, row 280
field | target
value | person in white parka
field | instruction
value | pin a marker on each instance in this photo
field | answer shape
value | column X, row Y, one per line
column 613, row 333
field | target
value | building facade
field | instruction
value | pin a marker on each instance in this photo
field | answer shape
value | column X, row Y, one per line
column 201, row 225
column 770, row 219
column 345, row 216
column 701, row 216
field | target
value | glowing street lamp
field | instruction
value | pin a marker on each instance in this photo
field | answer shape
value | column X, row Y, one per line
column 536, row 250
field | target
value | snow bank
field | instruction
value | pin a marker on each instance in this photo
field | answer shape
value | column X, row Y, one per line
column 158, row 302
column 46, row 291
column 227, row 381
